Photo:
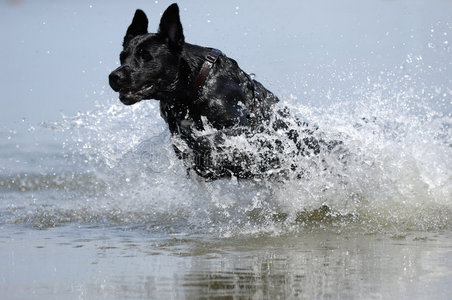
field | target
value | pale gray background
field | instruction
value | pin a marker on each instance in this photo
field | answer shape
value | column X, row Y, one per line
column 56, row 55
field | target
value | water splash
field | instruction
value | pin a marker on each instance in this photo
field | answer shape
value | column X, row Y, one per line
column 396, row 175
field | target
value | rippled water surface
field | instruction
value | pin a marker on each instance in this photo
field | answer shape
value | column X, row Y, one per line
column 92, row 262
column 95, row 205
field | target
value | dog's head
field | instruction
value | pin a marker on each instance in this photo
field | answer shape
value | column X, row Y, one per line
column 149, row 61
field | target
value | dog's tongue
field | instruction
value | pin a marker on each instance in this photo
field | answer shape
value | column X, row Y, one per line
column 128, row 96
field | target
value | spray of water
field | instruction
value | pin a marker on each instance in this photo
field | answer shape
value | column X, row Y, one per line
column 392, row 171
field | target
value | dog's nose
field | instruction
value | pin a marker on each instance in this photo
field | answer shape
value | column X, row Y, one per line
column 115, row 78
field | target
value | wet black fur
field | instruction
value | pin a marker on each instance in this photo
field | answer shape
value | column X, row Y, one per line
column 163, row 66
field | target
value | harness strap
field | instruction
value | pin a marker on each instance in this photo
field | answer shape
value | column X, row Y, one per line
column 211, row 58
column 207, row 66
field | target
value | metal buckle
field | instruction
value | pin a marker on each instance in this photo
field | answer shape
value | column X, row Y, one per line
column 210, row 58
column 213, row 55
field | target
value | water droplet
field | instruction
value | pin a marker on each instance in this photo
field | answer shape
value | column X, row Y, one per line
column 409, row 59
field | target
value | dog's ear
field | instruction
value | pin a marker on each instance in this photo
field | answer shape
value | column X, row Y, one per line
column 171, row 28
column 139, row 26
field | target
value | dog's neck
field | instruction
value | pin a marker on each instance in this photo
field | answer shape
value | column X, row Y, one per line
column 192, row 60
column 208, row 64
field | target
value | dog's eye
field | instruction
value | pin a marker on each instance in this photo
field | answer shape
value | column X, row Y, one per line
column 144, row 54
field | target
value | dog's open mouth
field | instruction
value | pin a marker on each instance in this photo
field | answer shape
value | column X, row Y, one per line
column 131, row 97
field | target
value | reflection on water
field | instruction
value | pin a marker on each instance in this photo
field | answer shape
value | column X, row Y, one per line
column 71, row 262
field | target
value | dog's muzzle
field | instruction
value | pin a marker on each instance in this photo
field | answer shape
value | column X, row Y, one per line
column 117, row 79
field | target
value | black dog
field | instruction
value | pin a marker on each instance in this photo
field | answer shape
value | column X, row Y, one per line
column 199, row 87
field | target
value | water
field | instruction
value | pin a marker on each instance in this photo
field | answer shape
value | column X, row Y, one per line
column 92, row 262
column 94, row 203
